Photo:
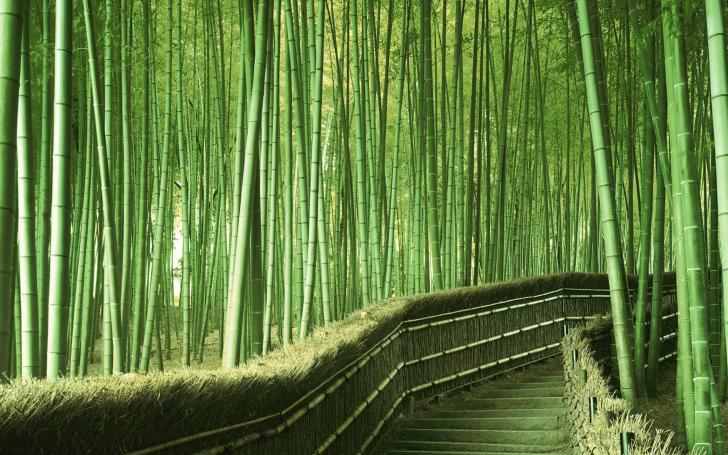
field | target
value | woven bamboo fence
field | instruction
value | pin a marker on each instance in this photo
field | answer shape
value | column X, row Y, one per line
column 336, row 392
column 443, row 342
column 598, row 421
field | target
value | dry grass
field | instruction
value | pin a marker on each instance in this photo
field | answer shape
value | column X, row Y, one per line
column 614, row 417
column 116, row 414
column 172, row 357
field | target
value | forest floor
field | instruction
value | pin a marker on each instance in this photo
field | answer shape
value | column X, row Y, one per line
column 172, row 357
column 662, row 408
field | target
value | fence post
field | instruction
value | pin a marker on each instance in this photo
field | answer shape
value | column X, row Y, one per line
column 625, row 440
column 410, row 404
column 592, row 408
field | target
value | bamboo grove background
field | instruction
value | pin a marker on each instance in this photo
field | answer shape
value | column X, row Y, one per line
column 214, row 178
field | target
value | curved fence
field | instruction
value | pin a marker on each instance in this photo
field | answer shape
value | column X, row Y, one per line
column 598, row 421
column 335, row 392
column 440, row 342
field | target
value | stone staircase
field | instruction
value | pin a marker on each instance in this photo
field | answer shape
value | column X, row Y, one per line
column 519, row 414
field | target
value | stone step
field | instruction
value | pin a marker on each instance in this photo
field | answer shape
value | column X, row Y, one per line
column 522, row 414
column 448, row 452
column 467, row 447
column 546, row 377
column 497, row 413
column 529, row 385
column 533, row 437
column 510, row 403
column 538, row 392
column 487, row 423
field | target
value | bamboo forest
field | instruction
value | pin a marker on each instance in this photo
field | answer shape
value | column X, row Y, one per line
column 364, row 227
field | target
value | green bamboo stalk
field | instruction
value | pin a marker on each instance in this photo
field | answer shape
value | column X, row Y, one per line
column 271, row 294
column 11, row 24
column 288, row 216
column 110, row 241
column 684, row 355
column 85, row 260
column 648, row 160
column 313, row 240
column 44, row 178
column 685, row 173
column 153, row 314
column 59, row 276
column 433, row 229
column 395, row 157
column 361, row 233
column 142, row 210
column 128, row 209
column 609, row 223
column 658, row 264
column 27, row 273
column 185, row 291
column 719, row 103
column 233, row 319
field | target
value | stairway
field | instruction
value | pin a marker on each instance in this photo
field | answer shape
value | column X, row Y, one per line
column 518, row 414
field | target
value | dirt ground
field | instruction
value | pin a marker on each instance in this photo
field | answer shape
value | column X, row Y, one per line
column 662, row 408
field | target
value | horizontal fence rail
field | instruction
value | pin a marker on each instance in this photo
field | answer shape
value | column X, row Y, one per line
column 602, row 345
column 429, row 352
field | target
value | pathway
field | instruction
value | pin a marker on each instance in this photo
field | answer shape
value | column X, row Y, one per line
column 518, row 414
